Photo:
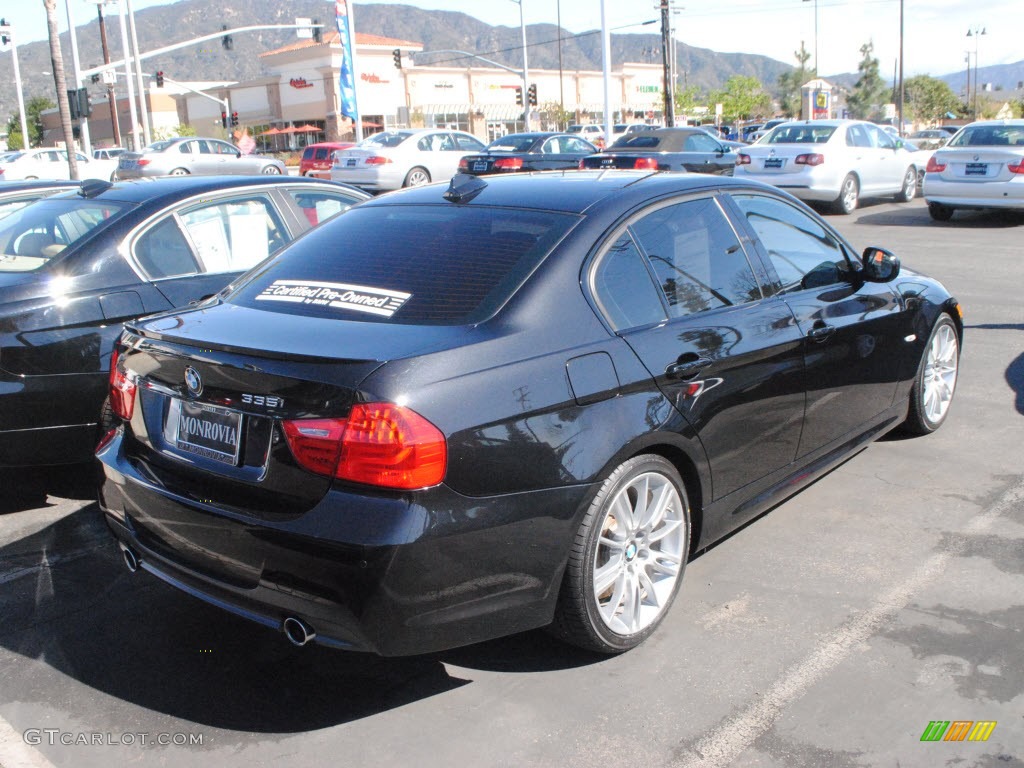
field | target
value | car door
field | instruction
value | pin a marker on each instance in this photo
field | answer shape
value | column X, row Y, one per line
column 198, row 248
column 455, row 146
column 703, row 154
column 891, row 161
column 851, row 329
column 231, row 160
column 729, row 358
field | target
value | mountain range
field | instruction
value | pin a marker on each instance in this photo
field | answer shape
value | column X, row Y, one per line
column 436, row 30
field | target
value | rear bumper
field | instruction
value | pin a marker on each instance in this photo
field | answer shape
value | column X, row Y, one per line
column 393, row 574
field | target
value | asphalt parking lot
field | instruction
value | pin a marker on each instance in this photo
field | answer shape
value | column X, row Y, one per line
column 831, row 631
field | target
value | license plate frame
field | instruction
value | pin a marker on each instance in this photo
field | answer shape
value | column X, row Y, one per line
column 976, row 169
column 221, row 421
column 480, row 165
column 773, row 163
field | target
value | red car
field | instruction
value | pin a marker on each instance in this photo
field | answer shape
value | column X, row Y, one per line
column 316, row 158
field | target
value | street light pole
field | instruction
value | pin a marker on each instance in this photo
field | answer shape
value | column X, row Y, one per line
column 111, row 96
column 974, row 32
column 76, row 68
column 900, row 105
column 9, row 29
column 132, row 112
column 143, row 109
column 526, row 69
column 816, row 71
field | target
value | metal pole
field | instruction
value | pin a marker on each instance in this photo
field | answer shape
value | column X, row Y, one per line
column 136, row 135
column 76, row 65
column 17, row 87
column 147, row 135
column 561, row 85
column 111, row 97
column 526, row 69
column 606, row 71
column 355, row 77
column 900, row 112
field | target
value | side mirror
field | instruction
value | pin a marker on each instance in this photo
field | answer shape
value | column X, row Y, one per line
column 880, row 265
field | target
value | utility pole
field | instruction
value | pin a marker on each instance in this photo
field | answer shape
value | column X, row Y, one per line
column 666, row 52
column 111, row 97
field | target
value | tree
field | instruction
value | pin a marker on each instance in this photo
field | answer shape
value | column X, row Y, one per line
column 34, row 120
column 181, row 129
column 927, row 99
column 865, row 100
column 686, row 99
column 57, row 65
column 742, row 98
column 791, row 83
column 552, row 112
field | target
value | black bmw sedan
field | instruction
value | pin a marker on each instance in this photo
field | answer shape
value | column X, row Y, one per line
column 543, row 151
column 74, row 266
column 667, row 149
column 518, row 401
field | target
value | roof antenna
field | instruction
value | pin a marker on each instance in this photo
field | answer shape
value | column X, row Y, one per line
column 464, row 188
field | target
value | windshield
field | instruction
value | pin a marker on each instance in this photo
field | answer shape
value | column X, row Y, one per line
column 410, row 265
column 800, row 133
column 36, row 234
column 989, row 136
column 10, row 157
column 385, row 139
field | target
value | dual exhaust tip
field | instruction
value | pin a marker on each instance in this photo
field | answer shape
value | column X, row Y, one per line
column 296, row 630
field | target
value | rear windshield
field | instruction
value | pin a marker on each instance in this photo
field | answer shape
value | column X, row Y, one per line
column 799, row 134
column 385, row 139
column 33, row 236
column 414, row 265
column 990, row 136
column 512, row 144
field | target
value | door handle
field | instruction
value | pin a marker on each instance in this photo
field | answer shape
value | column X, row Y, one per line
column 687, row 368
column 821, row 332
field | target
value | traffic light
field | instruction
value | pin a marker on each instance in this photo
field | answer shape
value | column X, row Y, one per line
column 531, row 93
column 227, row 43
column 519, row 96
column 73, row 104
column 397, row 56
column 84, row 107
column 224, row 119
column 318, row 32
column 234, row 119
column 160, row 79
column 5, row 36
column 94, row 78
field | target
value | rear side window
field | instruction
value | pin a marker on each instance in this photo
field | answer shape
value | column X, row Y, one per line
column 416, row 265
column 32, row 236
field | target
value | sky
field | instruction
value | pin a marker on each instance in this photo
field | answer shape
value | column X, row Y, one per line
column 935, row 31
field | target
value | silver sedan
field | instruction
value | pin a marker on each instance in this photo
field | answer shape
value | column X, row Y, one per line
column 191, row 156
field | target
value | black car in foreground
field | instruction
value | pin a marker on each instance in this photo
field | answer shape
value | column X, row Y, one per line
column 517, row 152
column 460, row 412
column 667, row 149
column 74, row 266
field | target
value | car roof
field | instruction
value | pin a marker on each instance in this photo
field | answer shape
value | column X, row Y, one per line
column 563, row 191
column 12, row 187
column 142, row 190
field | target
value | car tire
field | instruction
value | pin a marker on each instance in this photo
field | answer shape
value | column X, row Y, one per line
column 627, row 560
column 271, row 170
column 940, row 212
column 178, row 172
column 31, row 178
column 935, row 382
column 909, row 190
column 849, row 194
column 416, row 177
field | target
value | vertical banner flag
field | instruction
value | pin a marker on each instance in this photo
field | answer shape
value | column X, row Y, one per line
column 346, row 78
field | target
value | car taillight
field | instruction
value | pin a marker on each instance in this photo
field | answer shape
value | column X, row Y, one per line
column 377, row 160
column 509, row 163
column 742, row 159
column 379, row 444
column 1018, row 168
column 144, row 162
column 582, row 166
column 463, row 164
column 122, row 391
column 811, row 158
column 646, row 164
column 934, row 166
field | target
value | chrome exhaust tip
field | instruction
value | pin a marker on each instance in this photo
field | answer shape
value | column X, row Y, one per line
column 297, row 631
column 130, row 559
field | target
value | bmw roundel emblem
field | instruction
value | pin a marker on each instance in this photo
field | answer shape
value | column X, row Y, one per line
column 193, row 381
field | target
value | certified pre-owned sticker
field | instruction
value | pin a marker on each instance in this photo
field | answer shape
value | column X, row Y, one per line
column 357, row 298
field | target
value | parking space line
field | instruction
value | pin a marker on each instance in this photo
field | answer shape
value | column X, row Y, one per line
column 15, row 753
column 733, row 736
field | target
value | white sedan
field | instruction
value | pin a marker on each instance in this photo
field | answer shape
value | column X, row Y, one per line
column 832, row 161
column 52, row 163
column 403, row 158
column 981, row 167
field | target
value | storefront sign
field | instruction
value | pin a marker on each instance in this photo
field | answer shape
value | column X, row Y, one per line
column 299, row 82
column 371, row 78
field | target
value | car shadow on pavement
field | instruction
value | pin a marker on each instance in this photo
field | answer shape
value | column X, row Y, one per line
column 1015, row 370
column 917, row 216
column 79, row 618
column 25, row 488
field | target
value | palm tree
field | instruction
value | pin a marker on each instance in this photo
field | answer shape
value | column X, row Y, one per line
column 57, row 67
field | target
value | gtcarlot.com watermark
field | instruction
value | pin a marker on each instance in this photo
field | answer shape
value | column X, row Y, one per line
column 55, row 736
